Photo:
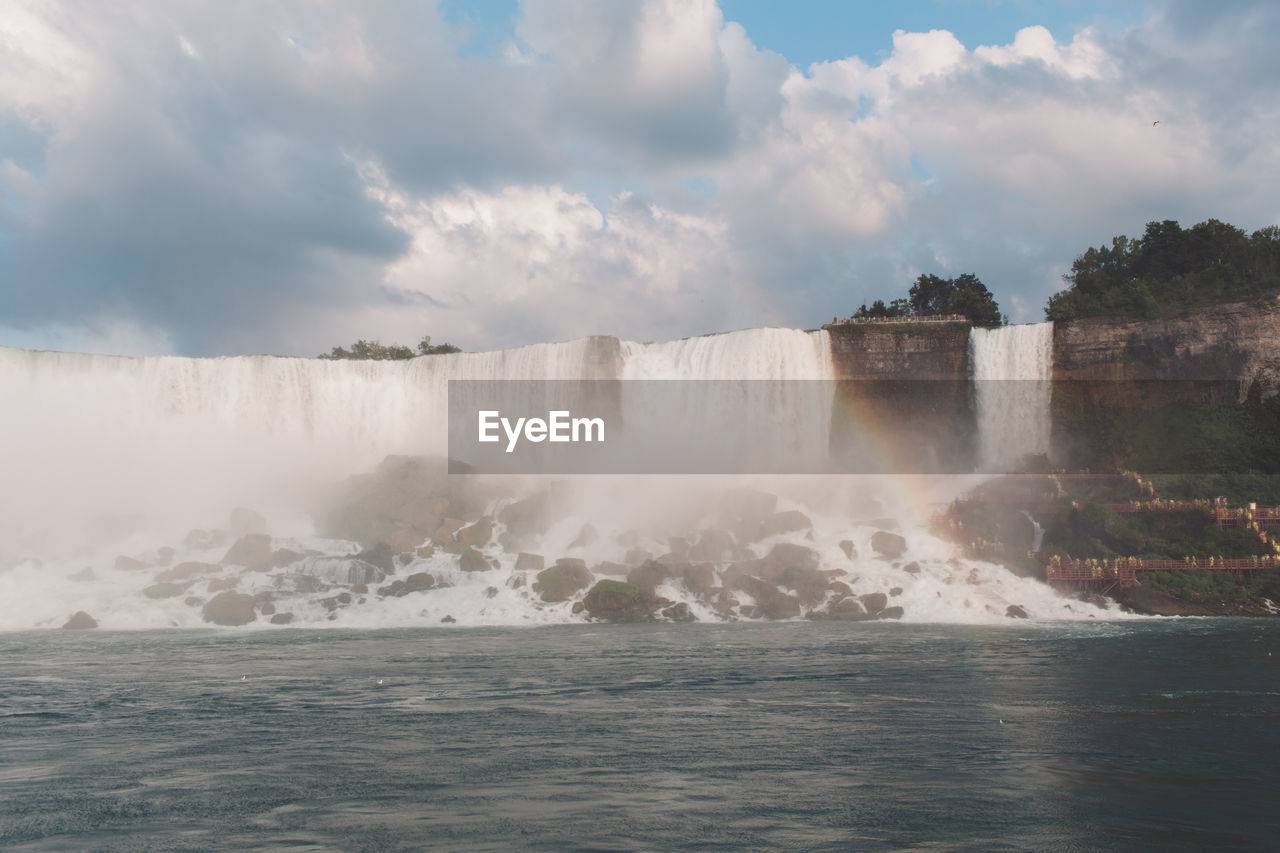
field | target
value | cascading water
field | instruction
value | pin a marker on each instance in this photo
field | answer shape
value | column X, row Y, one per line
column 106, row 456
column 1012, row 369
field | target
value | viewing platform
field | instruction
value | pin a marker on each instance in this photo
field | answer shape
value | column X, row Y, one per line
column 1123, row 571
column 837, row 322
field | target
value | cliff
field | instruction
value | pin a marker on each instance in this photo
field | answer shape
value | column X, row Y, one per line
column 904, row 402
column 1108, row 373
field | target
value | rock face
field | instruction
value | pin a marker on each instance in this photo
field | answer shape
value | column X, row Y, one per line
column 472, row 560
column 230, row 608
column 186, row 571
column 526, row 562
column 417, row 582
column 253, row 551
column 888, row 544
column 80, row 621
column 1124, row 369
column 562, row 580
column 619, row 601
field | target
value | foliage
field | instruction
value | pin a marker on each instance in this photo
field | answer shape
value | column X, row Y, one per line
column 1238, row 489
column 1202, row 438
column 931, row 295
column 1192, row 584
column 1170, row 269
column 375, row 351
column 1095, row 531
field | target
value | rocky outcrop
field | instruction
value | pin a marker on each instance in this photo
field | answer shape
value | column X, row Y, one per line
column 80, row 621
column 562, row 580
column 618, row 601
column 230, row 608
column 253, row 551
column 888, row 544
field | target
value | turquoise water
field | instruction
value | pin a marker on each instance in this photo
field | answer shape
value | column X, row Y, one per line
column 816, row 736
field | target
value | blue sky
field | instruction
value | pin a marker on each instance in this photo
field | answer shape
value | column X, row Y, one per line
column 220, row 178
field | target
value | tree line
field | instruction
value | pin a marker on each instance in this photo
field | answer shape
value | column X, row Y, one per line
column 375, row 351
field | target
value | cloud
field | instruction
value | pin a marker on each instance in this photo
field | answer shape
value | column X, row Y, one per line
column 287, row 177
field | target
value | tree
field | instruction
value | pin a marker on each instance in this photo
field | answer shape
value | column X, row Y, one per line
column 363, row 350
column 965, row 295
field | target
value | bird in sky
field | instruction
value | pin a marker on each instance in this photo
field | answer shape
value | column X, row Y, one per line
column 1154, row 123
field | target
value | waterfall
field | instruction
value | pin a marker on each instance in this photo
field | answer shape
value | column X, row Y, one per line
column 1012, row 369
column 107, row 463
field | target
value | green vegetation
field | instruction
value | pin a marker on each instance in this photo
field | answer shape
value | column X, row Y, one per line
column 1238, row 489
column 1095, row 531
column 1201, row 438
column 1170, row 269
column 1200, row 585
column 375, row 351
column 964, row 295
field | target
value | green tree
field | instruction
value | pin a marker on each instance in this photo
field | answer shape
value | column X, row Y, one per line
column 373, row 350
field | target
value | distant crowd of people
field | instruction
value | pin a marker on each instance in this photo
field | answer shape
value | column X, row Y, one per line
column 904, row 318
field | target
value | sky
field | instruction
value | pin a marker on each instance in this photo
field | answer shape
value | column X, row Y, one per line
column 203, row 178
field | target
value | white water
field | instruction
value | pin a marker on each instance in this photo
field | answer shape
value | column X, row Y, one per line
column 1012, row 368
column 102, row 456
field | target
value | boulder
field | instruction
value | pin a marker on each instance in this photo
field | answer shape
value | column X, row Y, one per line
column 476, row 535
column 343, row 570
column 381, row 555
column 888, row 544
column 526, row 520
column 417, row 582
column 608, row 567
column 164, row 555
column 894, row 612
column 401, row 503
column 446, row 531
column 618, row 601
column 679, row 613
column 526, row 562
column 425, row 552
column 246, row 521
column 471, row 560
column 699, row 579
column 650, row 573
column 230, row 608
column 80, row 621
column 187, row 570
column 874, row 602
column 809, row 585
column 840, row 588
column 198, row 540
column 129, row 564
column 784, row 556
column 586, row 536
column 84, row 575
column 636, row 556
column 281, row 618
column 267, row 609
column 285, row 557
column 253, row 551
column 791, row 521
column 912, row 568
column 164, row 590
column 845, row 610
column 562, row 580
column 713, row 546
column 895, row 592
column 1015, row 611
column 846, row 545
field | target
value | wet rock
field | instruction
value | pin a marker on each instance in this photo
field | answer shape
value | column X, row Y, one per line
column 448, row 620
column 164, row 555
column 712, row 546
column 771, row 602
column 618, row 601
column 425, row 552
column 402, row 503
column 790, row 521
column 562, row 580
column 527, row 520
column 809, row 585
column 587, row 536
column 129, row 564
column 491, row 592
column 198, row 540
column 343, row 570
column 79, row 621
column 267, row 609
column 187, row 570
column 193, row 601
column 846, row 545
column 285, row 557
column 650, row 573
column 471, row 560
column 476, row 535
column 360, row 588
column 253, row 551
column 381, row 555
column 894, row 612
column 1015, row 611
column 164, row 590
column 679, row 613
column 230, row 608
column 281, row 618
column 417, row 582
column 516, row 582
column 636, row 556
column 526, row 562
column 874, row 602
column 83, row 576
column 608, row 567
column 699, row 579
column 334, row 602
column 446, row 530
column 846, row 610
column 578, row 607
column 840, row 588
column 895, row 592
column 246, row 521
column 912, row 568
column 888, row 544
column 784, row 556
